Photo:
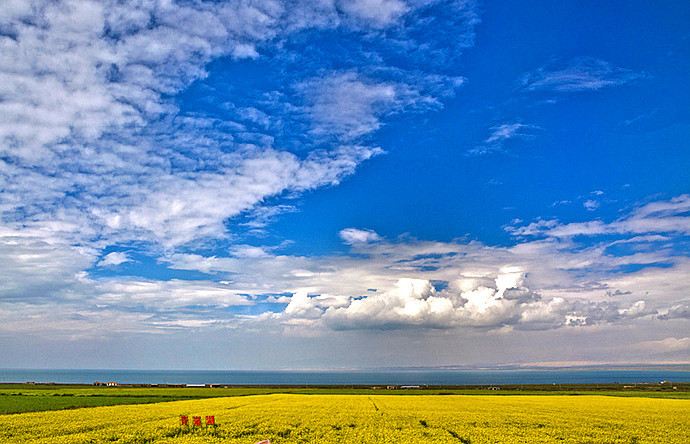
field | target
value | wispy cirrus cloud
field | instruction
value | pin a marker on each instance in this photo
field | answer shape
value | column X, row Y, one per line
column 556, row 77
column 347, row 106
column 578, row 74
column 500, row 134
column 655, row 217
column 508, row 131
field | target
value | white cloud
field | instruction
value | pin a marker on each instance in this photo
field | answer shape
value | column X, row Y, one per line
column 355, row 236
column 248, row 251
column 177, row 210
column 262, row 216
column 374, row 13
column 679, row 311
column 37, row 268
column 348, row 106
column 113, row 259
column 665, row 345
column 578, row 74
column 591, row 205
column 416, row 303
column 164, row 295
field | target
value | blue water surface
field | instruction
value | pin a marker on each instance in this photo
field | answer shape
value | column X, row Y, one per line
column 344, row 377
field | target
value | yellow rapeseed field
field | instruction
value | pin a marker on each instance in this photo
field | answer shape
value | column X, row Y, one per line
column 287, row 418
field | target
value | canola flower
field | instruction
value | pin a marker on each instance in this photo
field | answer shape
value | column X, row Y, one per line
column 289, row 418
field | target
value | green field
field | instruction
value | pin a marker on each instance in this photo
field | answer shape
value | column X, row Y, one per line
column 16, row 398
column 320, row 418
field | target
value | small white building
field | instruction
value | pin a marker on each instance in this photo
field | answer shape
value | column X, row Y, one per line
column 111, row 384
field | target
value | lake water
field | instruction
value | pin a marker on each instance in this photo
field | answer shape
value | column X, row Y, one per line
column 379, row 377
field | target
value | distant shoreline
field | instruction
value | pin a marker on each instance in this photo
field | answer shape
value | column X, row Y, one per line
column 536, row 367
column 661, row 387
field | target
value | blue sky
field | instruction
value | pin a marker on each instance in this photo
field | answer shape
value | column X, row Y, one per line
column 346, row 183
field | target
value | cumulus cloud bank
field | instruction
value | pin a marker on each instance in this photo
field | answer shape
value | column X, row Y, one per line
column 456, row 288
column 548, row 282
column 466, row 302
